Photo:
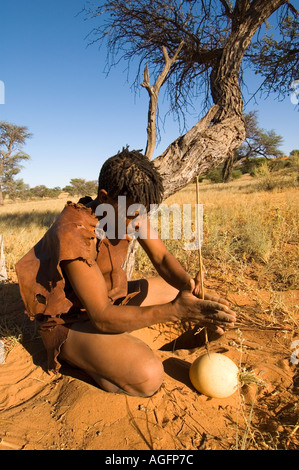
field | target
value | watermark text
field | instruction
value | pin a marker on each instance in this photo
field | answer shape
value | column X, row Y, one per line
column 295, row 92
column 167, row 222
column 2, row 92
column 295, row 354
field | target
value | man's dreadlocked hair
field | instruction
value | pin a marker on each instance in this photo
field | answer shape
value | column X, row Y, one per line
column 131, row 174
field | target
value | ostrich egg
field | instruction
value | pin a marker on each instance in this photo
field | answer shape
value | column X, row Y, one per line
column 214, row 375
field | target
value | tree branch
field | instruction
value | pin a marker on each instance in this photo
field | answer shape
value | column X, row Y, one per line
column 227, row 9
column 292, row 8
column 153, row 91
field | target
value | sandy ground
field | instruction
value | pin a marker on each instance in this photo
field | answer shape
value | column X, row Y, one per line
column 42, row 411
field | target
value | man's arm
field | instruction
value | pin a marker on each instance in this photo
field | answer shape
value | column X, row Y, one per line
column 90, row 287
column 168, row 267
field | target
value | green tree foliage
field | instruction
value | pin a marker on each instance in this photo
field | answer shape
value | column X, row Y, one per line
column 41, row 191
column 12, row 139
column 81, row 187
column 258, row 143
column 16, row 189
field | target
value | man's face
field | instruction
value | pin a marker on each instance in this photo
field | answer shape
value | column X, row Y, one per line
column 124, row 213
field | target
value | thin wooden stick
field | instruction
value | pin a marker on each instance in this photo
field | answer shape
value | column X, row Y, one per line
column 199, row 244
column 200, row 263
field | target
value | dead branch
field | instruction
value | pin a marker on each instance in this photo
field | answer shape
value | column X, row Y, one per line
column 227, row 8
column 153, row 91
column 292, row 8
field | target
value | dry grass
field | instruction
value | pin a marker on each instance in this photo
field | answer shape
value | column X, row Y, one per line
column 23, row 224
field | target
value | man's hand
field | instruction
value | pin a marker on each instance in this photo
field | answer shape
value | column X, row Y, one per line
column 212, row 312
column 197, row 291
column 198, row 283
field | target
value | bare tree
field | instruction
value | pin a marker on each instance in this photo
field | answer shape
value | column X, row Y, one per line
column 210, row 40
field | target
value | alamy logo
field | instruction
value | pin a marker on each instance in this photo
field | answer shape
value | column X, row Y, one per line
column 295, row 92
column 172, row 222
column 295, row 355
column 2, row 92
column 2, row 353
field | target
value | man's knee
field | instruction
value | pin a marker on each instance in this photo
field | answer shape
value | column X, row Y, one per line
column 151, row 377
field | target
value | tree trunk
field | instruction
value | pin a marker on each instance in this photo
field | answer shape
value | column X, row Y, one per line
column 202, row 148
column 228, row 167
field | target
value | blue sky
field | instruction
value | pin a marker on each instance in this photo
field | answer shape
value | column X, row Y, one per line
column 56, row 86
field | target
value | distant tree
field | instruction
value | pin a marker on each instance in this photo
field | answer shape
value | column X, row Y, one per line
column 16, row 189
column 54, row 192
column 39, row 191
column 44, row 191
column 216, row 175
column 258, row 143
column 12, row 139
column 294, row 153
column 91, row 188
column 81, row 187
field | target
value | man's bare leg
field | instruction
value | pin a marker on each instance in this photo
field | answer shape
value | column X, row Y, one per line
column 120, row 362
column 153, row 291
column 117, row 362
